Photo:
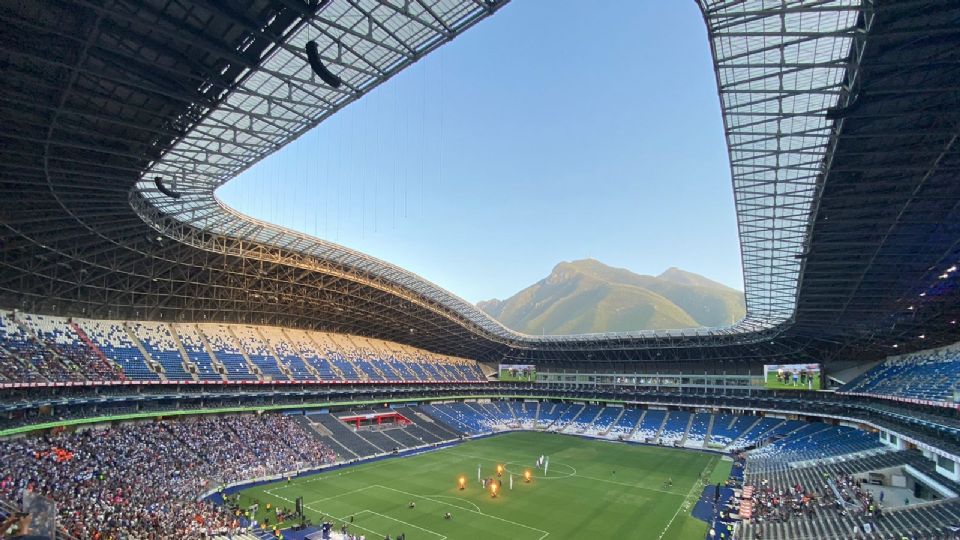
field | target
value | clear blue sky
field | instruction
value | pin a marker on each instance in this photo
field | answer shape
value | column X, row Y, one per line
column 552, row 131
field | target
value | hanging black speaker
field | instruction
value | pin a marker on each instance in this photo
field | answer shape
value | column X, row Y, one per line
column 313, row 55
column 159, row 182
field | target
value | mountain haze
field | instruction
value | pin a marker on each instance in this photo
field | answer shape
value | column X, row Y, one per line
column 588, row 296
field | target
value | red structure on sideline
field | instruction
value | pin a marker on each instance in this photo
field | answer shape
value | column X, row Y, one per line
column 379, row 419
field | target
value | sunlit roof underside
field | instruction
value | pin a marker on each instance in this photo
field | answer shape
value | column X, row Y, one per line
column 780, row 66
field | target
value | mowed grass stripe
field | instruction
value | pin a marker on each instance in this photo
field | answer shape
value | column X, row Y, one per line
column 617, row 491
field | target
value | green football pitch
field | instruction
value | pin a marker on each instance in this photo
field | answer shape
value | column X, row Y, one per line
column 592, row 489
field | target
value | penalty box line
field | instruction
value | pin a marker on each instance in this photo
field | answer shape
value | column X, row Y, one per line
column 543, row 535
column 680, row 508
column 442, row 537
column 345, row 519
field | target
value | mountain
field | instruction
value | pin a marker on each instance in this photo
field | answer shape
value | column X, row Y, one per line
column 588, row 296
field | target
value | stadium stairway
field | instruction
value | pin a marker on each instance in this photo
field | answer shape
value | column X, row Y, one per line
column 567, row 416
column 223, row 350
column 96, row 350
column 633, row 430
column 696, row 431
column 156, row 366
column 156, row 342
column 378, row 439
column 327, row 437
column 346, row 436
column 604, row 430
column 189, row 342
column 323, row 435
column 281, row 348
column 661, row 426
column 706, row 437
column 403, row 438
column 585, row 419
column 426, row 423
column 626, row 424
column 675, row 428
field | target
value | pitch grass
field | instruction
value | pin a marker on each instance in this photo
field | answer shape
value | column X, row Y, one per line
column 593, row 489
column 774, row 384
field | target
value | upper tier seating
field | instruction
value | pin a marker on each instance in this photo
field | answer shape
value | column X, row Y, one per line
column 287, row 353
column 23, row 360
column 112, row 338
column 62, row 339
column 259, row 352
column 226, row 349
column 197, row 353
column 926, row 375
column 45, row 349
column 157, row 340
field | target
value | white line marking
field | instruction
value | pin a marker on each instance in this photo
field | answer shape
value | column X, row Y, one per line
column 401, row 521
column 632, row 486
column 340, row 495
column 696, row 484
column 458, row 499
column 544, row 535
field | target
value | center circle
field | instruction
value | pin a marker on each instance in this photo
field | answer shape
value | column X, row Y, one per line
column 570, row 471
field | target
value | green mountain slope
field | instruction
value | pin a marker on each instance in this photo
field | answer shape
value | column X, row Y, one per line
column 588, row 296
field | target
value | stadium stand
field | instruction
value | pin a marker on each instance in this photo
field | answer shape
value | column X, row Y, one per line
column 697, row 434
column 675, row 428
column 626, row 424
column 195, row 350
column 88, row 473
column 54, row 349
column 928, row 376
column 158, row 341
column 113, row 339
column 813, row 442
column 225, row 348
column 834, row 500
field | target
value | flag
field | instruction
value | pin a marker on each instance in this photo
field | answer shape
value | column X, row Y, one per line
column 511, row 481
column 478, row 472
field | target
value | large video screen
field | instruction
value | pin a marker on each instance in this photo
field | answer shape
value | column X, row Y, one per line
column 793, row 376
column 518, row 372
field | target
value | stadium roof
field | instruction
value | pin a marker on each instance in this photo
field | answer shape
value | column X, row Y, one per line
column 841, row 121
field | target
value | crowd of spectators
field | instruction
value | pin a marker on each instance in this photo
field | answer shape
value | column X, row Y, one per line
column 142, row 481
column 840, row 493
